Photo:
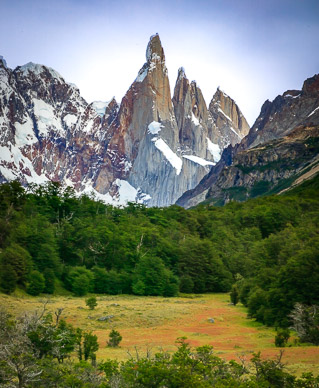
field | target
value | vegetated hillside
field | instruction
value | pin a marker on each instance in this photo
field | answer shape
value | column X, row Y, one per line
column 269, row 246
column 269, row 168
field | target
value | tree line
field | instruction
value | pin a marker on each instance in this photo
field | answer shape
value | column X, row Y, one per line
column 266, row 249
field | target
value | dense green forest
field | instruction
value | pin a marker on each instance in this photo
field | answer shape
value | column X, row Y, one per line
column 266, row 250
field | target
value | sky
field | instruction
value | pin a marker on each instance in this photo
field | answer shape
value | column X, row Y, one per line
column 252, row 49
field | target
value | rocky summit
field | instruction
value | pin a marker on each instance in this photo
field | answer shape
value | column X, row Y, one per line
column 151, row 148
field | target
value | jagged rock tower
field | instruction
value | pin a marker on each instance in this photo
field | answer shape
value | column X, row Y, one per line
column 151, row 149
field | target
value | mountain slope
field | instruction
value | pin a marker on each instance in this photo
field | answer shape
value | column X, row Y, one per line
column 294, row 116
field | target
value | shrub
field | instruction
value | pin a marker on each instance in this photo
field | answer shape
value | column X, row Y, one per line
column 114, row 339
column 282, row 338
column 91, row 302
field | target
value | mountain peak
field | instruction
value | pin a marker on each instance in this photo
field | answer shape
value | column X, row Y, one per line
column 181, row 73
column 37, row 69
column 154, row 49
column 311, row 85
column 3, row 61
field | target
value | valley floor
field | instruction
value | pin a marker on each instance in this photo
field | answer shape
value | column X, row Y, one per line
column 154, row 323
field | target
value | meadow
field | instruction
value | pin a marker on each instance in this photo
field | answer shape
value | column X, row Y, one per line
column 150, row 324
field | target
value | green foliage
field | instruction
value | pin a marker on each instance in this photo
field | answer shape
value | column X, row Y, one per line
column 151, row 277
column 91, row 302
column 186, row 284
column 282, row 338
column 79, row 280
column 114, row 339
column 19, row 258
column 90, row 346
column 8, row 278
column 87, row 246
column 36, row 283
column 234, row 295
column 49, row 278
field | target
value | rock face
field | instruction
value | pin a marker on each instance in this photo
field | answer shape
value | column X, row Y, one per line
column 149, row 149
column 269, row 168
column 232, row 125
column 281, row 146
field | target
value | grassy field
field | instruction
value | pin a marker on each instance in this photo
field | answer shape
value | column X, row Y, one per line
column 154, row 323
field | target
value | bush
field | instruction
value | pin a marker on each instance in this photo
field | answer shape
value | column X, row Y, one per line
column 234, row 295
column 114, row 339
column 91, row 302
column 282, row 338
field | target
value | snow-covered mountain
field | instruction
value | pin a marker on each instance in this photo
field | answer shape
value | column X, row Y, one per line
column 149, row 149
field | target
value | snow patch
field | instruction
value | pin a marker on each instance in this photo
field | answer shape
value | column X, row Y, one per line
column 148, row 49
column 195, row 120
column 155, row 127
column 12, row 161
column 70, row 120
column 24, row 133
column 214, row 150
column 125, row 193
column 223, row 113
column 100, row 106
column 46, row 117
column 291, row 96
column 174, row 160
column 141, row 74
column 181, row 73
column 313, row 112
column 198, row 160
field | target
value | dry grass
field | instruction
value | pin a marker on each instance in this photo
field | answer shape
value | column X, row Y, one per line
column 155, row 323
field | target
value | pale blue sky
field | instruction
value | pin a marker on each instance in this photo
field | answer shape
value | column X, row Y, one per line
column 253, row 49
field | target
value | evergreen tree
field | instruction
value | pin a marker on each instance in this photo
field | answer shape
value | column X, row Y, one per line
column 114, row 339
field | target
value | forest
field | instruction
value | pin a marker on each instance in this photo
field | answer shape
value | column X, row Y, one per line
column 265, row 250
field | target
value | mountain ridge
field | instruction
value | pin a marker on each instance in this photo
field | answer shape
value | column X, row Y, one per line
column 287, row 114
column 49, row 132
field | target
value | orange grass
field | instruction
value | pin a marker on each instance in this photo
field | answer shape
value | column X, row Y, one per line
column 154, row 323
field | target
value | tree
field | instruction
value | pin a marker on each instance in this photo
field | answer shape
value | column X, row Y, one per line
column 90, row 346
column 114, row 339
column 234, row 295
column 81, row 285
column 186, row 284
column 49, row 281
column 79, row 280
column 306, row 322
column 151, row 277
column 282, row 338
column 19, row 259
column 8, row 279
column 36, row 283
column 138, row 287
column 91, row 302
